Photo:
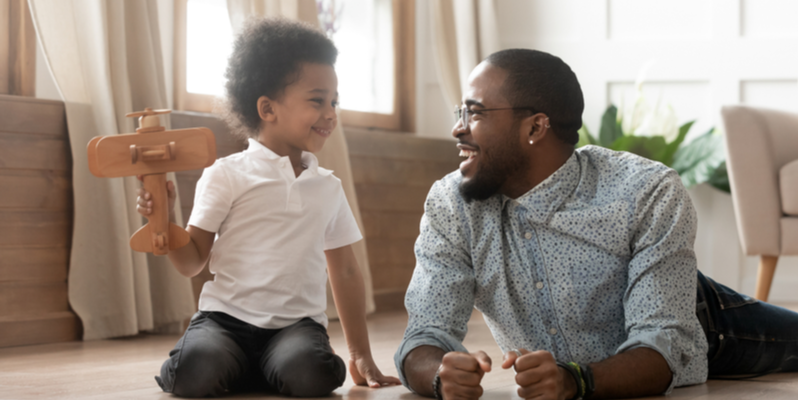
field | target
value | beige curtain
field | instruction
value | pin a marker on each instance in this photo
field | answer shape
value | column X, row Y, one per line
column 105, row 57
column 464, row 33
column 334, row 155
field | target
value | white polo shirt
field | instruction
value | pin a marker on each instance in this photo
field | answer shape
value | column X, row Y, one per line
column 272, row 230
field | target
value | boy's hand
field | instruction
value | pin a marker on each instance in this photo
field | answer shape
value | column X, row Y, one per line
column 365, row 373
column 144, row 203
column 538, row 375
column 461, row 374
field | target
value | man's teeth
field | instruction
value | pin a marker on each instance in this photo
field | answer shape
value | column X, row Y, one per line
column 467, row 153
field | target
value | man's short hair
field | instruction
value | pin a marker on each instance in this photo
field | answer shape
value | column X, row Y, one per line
column 545, row 83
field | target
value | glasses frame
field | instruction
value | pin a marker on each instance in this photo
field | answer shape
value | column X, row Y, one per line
column 462, row 113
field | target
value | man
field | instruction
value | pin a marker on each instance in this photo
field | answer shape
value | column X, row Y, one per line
column 581, row 261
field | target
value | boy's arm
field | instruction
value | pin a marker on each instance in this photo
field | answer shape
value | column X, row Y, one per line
column 189, row 260
column 348, row 293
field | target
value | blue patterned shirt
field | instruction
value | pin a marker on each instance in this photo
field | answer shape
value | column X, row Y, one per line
column 595, row 260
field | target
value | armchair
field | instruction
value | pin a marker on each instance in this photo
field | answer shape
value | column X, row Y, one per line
column 762, row 168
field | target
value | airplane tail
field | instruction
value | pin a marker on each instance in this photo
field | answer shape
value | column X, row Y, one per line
column 145, row 241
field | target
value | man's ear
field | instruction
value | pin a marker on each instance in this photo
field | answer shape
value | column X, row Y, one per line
column 535, row 127
column 265, row 109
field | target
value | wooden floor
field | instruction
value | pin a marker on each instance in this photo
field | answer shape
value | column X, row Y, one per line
column 124, row 369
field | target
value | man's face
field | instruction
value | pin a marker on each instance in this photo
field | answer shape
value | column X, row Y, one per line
column 490, row 140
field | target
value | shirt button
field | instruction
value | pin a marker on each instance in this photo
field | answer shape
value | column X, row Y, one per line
column 539, row 285
column 553, row 331
column 528, row 235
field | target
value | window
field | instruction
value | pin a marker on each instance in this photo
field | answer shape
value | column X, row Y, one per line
column 375, row 66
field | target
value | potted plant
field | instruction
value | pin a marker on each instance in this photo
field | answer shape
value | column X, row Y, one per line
column 654, row 133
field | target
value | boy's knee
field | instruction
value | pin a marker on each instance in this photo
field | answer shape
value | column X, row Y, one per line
column 201, row 372
column 312, row 374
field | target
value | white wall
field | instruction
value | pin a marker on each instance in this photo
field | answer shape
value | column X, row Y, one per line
column 706, row 53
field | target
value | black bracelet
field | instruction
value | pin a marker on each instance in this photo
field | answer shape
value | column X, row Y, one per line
column 580, row 386
column 437, row 385
column 588, row 378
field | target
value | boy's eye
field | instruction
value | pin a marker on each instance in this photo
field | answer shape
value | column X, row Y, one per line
column 334, row 104
column 318, row 101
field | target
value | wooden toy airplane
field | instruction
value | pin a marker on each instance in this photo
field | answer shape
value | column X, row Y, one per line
column 152, row 152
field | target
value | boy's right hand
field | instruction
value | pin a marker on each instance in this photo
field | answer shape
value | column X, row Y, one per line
column 144, row 203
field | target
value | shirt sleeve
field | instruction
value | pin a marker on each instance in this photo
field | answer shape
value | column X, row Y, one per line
column 342, row 230
column 660, row 300
column 440, row 296
column 213, row 198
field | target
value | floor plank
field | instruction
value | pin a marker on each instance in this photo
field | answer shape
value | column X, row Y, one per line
column 124, row 369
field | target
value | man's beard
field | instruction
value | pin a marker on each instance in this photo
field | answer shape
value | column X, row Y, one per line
column 492, row 173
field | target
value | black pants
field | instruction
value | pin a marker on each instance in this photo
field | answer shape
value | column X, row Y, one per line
column 219, row 353
column 745, row 336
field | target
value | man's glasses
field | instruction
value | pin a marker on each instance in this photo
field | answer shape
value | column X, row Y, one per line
column 463, row 113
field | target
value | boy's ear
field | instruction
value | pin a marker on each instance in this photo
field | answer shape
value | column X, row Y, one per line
column 265, row 110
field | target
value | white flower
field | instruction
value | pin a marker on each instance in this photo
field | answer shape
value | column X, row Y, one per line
column 661, row 121
column 640, row 119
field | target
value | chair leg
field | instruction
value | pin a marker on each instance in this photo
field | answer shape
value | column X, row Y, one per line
column 766, row 269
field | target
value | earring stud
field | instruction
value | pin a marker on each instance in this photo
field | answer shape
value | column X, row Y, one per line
column 530, row 141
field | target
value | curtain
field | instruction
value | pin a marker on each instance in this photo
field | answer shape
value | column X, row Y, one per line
column 334, row 155
column 106, row 60
column 464, row 33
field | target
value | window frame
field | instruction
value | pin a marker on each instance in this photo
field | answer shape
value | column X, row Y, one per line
column 17, row 49
column 401, row 119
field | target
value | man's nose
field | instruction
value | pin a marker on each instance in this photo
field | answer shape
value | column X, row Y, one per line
column 459, row 129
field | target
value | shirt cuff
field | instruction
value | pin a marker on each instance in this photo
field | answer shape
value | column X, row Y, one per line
column 660, row 341
column 425, row 337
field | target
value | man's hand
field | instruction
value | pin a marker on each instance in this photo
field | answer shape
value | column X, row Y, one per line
column 461, row 374
column 539, row 377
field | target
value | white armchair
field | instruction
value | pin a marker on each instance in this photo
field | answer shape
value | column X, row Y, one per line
column 762, row 168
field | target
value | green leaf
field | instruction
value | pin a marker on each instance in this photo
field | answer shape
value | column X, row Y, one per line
column 610, row 128
column 645, row 146
column 719, row 179
column 669, row 152
column 584, row 137
column 698, row 161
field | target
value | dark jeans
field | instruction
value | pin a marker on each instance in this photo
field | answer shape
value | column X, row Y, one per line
column 745, row 336
column 219, row 353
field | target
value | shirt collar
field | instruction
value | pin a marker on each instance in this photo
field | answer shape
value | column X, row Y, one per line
column 546, row 197
column 261, row 152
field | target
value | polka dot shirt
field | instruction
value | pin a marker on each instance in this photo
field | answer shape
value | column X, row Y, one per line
column 596, row 260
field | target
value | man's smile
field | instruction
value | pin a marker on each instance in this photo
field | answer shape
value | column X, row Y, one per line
column 470, row 153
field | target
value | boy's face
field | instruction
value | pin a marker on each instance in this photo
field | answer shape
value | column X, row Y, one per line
column 305, row 115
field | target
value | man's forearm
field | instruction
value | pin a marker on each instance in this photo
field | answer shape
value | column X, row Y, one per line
column 420, row 367
column 634, row 373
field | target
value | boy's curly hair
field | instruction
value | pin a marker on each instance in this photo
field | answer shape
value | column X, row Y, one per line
column 267, row 57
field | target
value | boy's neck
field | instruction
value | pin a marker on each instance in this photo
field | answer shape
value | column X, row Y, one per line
column 283, row 150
